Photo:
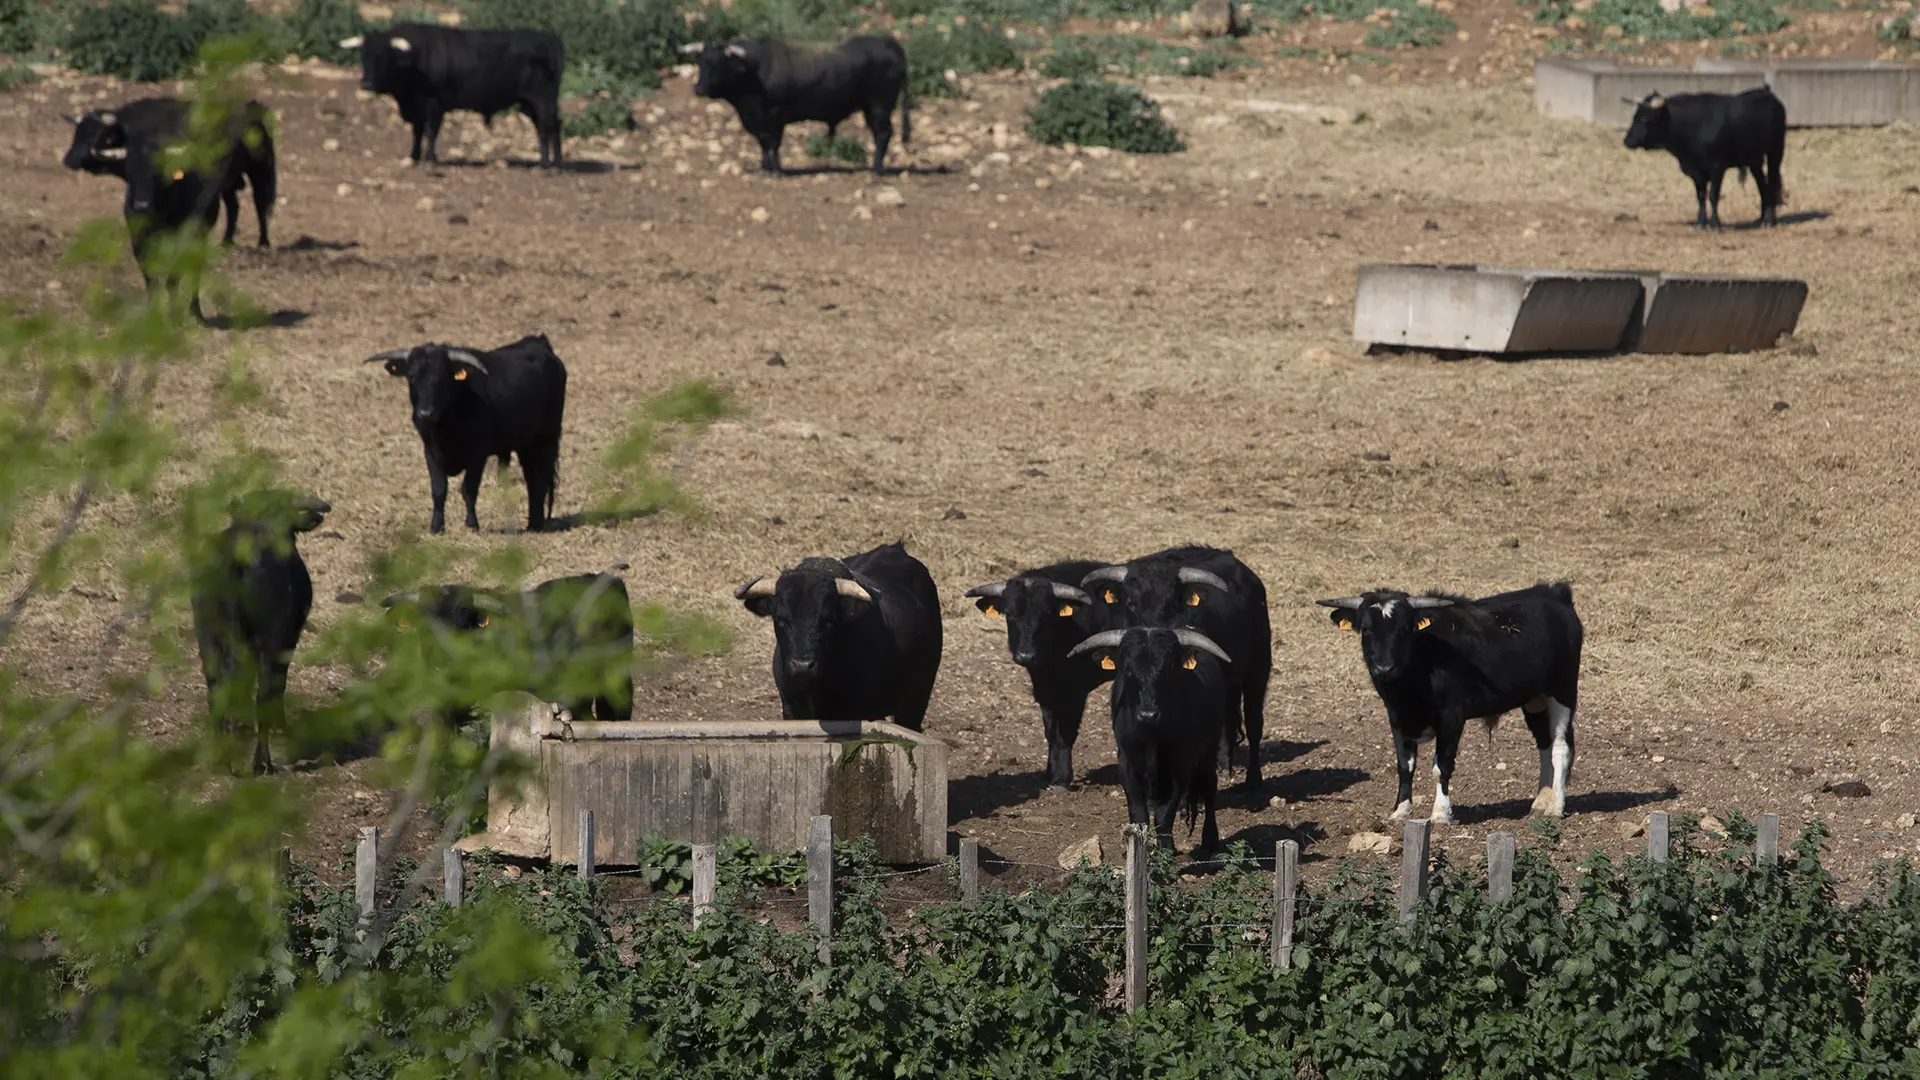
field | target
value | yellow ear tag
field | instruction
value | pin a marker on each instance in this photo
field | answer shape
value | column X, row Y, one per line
column 1192, row 662
column 484, row 619
column 1109, row 596
column 1346, row 624
column 990, row 611
column 1423, row 623
column 180, row 175
column 460, row 375
column 1193, row 599
column 1066, row 610
column 1106, row 663
column 403, row 624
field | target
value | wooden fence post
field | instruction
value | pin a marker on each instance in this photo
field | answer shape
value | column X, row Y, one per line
column 586, row 843
column 1413, row 868
column 969, row 869
column 1500, row 850
column 366, row 869
column 1657, row 843
column 1286, row 884
column 820, row 882
column 455, row 880
column 1138, row 868
column 1766, row 845
column 705, row 871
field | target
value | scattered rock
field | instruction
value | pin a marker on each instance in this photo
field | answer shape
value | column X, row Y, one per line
column 1630, row 830
column 1073, row 854
column 776, row 360
column 425, row 202
column 343, row 190
column 347, row 597
column 1713, row 826
column 759, row 215
column 1278, row 803
column 1849, row 789
column 1318, row 355
column 1001, row 139
column 456, row 219
column 1781, row 406
column 889, row 196
column 863, row 212
column 1658, row 759
column 1512, row 542
column 1211, row 18
column 330, row 145
column 954, row 513
column 1370, row 843
column 1904, row 821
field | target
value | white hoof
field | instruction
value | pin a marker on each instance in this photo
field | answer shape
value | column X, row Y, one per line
column 1443, row 817
column 1543, row 802
column 1401, row 812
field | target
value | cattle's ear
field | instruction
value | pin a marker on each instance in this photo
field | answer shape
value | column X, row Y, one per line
column 988, row 606
column 395, row 360
column 1343, row 619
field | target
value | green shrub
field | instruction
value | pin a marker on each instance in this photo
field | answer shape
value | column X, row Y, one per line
column 838, row 148
column 1645, row 20
column 1410, row 27
column 1093, row 112
column 23, row 26
column 1076, row 56
column 1403, row 23
column 800, row 20
column 129, row 39
column 933, row 49
column 602, row 114
column 316, row 27
column 16, row 75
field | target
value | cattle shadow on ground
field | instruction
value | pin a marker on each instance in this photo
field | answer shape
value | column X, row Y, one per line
column 565, row 166
column 979, row 796
column 1260, row 840
column 1300, row 786
column 284, row 319
column 1592, row 802
column 308, row 243
column 849, row 170
column 1802, row 218
column 585, row 518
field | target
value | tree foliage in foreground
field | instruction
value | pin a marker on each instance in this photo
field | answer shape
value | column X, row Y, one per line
column 145, row 930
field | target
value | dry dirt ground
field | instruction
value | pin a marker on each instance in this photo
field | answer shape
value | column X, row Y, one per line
column 1049, row 355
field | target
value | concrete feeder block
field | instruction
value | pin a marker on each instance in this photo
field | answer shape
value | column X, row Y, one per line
column 1468, row 308
column 702, row 781
column 1481, row 309
column 1816, row 93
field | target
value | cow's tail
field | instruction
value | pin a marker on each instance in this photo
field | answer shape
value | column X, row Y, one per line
column 906, row 114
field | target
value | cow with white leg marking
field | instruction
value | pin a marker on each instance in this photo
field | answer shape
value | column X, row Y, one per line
column 1438, row 661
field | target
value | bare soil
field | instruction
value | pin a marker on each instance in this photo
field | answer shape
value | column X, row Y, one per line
column 1060, row 354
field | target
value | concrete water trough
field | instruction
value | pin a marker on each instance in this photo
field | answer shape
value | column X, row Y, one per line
column 1816, row 93
column 703, row 781
column 1486, row 309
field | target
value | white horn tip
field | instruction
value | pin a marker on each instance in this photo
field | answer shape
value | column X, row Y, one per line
column 353, row 42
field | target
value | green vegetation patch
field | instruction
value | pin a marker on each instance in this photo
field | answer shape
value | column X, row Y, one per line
column 1084, row 56
column 1645, row 20
column 1397, row 23
column 1094, row 112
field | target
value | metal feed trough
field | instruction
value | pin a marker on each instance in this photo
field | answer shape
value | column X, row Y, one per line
column 702, row 781
column 1485, row 309
column 1816, row 93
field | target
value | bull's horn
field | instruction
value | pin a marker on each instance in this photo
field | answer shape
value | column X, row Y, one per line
column 487, row 602
column 462, row 356
column 1630, row 101
column 308, row 502
column 850, row 588
column 1068, row 592
column 401, row 598
column 74, row 120
column 1428, row 602
column 692, row 48
column 1351, row 603
column 353, row 42
column 737, row 50
column 110, row 118
column 1105, row 639
column 990, row 589
column 403, row 44
column 757, row 588
column 1192, row 576
column 390, row 354
column 1115, row 574
column 1194, row 639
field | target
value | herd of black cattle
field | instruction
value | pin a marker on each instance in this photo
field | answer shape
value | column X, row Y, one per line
column 1182, row 635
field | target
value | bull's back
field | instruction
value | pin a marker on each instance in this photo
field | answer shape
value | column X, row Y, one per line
column 1732, row 128
column 909, row 602
column 486, row 70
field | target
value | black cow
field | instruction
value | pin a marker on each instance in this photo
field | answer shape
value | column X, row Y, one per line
column 1047, row 614
column 1213, row 592
column 774, row 83
column 470, row 405
column 1172, row 698
column 1711, row 133
column 430, row 71
column 251, row 594
column 853, row 639
column 1438, row 661
column 102, row 137
column 573, row 637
